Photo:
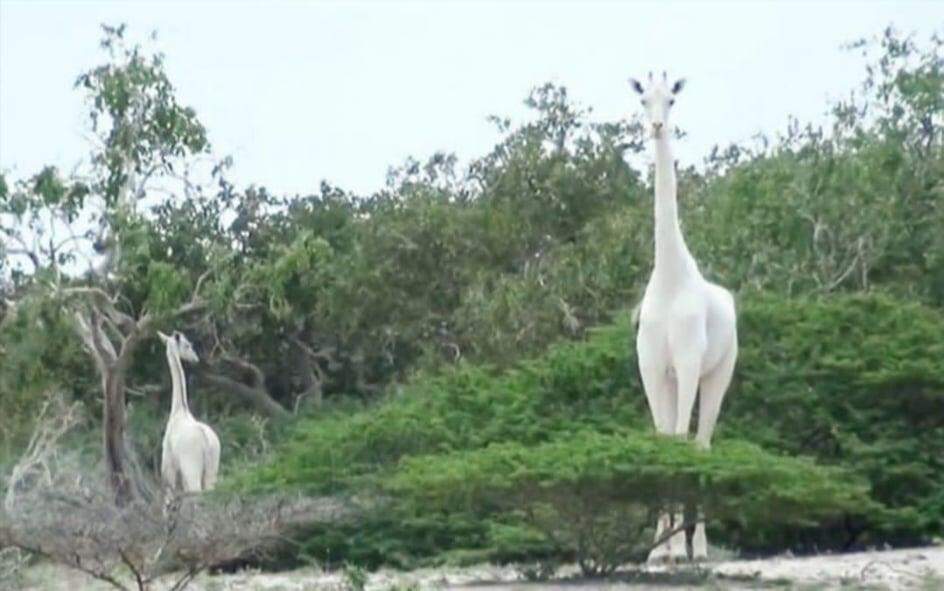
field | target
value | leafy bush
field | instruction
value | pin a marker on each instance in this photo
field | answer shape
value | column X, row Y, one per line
column 341, row 297
column 852, row 381
column 587, row 385
column 595, row 497
column 856, row 381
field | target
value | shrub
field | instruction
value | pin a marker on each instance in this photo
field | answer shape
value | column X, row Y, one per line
column 856, row 381
column 588, row 385
column 595, row 497
column 853, row 381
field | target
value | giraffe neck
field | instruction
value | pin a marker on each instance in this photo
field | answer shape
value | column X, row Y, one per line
column 179, row 383
column 671, row 257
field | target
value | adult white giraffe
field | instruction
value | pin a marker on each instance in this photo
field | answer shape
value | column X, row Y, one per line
column 687, row 336
column 191, row 452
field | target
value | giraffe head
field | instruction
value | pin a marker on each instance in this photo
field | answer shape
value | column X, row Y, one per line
column 177, row 342
column 657, row 97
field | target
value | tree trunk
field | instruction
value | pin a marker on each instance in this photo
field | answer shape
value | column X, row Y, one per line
column 114, row 420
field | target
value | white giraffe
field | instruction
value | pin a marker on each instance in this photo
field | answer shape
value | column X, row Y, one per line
column 191, row 450
column 687, row 336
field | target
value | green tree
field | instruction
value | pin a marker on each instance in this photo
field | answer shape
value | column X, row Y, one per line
column 142, row 133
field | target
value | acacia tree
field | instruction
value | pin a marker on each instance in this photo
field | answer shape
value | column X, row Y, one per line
column 82, row 241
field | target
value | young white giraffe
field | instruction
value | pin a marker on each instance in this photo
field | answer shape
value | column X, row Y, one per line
column 687, row 336
column 191, row 452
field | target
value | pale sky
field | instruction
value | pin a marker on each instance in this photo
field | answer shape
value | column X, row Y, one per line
column 298, row 92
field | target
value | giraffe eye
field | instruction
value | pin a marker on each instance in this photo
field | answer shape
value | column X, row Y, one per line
column 671, row 102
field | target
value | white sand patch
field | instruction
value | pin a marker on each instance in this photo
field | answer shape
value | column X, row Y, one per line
column 919, row 569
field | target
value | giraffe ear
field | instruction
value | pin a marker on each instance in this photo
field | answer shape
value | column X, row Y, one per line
column 163, row 336
column 678, row 86
column 636, row 85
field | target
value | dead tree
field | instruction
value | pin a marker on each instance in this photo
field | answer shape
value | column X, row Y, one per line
column 55, row 419
column 135, row 545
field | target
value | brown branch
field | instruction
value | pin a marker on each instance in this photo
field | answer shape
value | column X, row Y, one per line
column 257, row 396
column 97, row 292
column 258, row 376
column 131, row 567
column 188, row 576
column 76, row 563
column 323, row 354
column 316, row 376
column 84, row 329
column 668, row 534
column 836, row 282
column 191, row 307
column 315, row 390
column 141, row 329
column 119, row 318
column 103, row 305
column 91, row 335
column 32, row 256
column 51, row 425
column 101, row 339
column 200, row 280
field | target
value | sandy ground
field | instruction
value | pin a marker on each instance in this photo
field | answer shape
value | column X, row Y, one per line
column 918, row 569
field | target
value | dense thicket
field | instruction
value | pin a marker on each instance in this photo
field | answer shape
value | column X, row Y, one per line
column 319, row 305
column 850, row 380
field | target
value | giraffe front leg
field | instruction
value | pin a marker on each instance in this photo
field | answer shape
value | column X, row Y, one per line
column 687, row 343
column 660, row 394
column 711, row 393
column 658, row 385
column 687, row 375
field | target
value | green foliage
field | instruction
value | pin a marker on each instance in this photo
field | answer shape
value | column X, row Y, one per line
column 575, row 386
column 856, row 381
column 858, row 206
column 133, row 103
column 734, row 480
column 484, row 305
column 595, row 497
column 356, row 577
column 852, row 381
column 540, row 239
column 293, row 276
column 167, row 287
column 32, row 368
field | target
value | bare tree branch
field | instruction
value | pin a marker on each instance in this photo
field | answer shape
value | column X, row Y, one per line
column 97, row 345
column 258, row 376
column 55, row 419
column 257, row 396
